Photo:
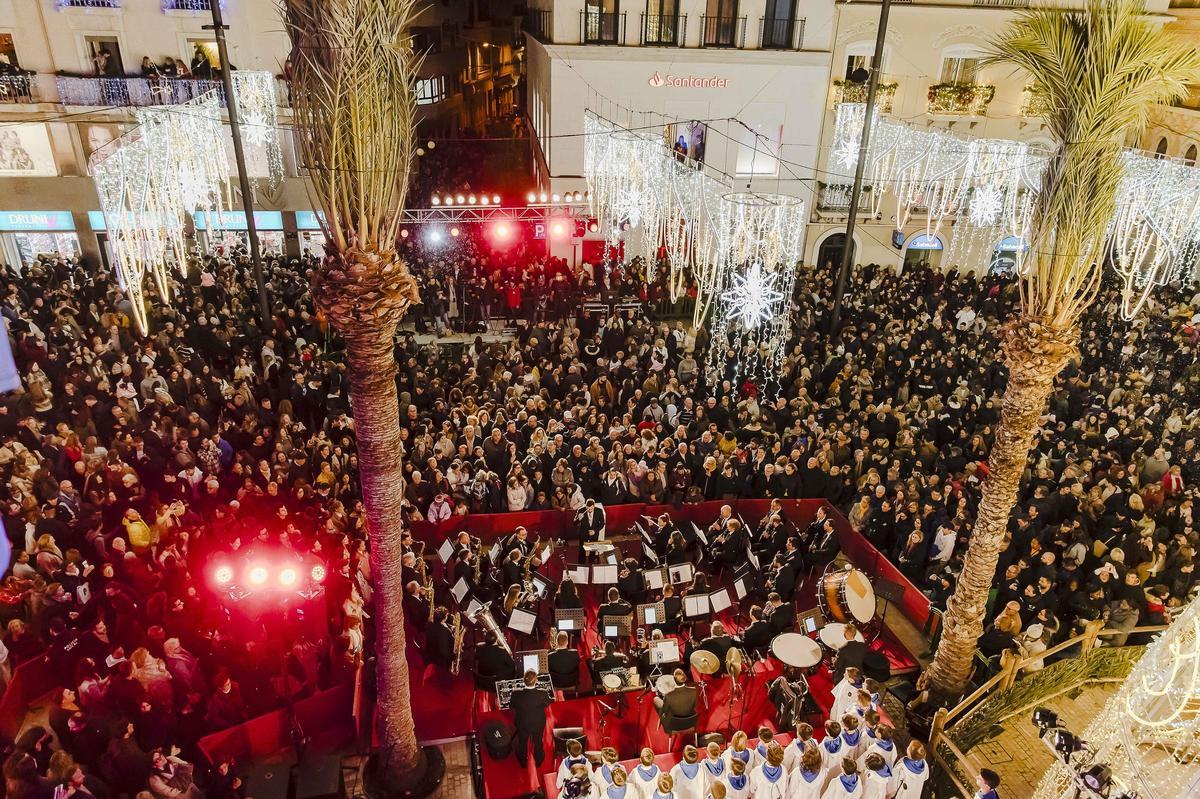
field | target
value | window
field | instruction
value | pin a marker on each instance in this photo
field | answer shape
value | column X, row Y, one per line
column 8, row 52
column 960, row 69
column 104, row 53
column 431, row 90
column 1190, row 156
column 779, row 24
column 758, row 148
column 1161, row 150
column 209, row 48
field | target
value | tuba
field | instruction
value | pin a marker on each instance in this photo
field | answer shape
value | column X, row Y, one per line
column 484, row 617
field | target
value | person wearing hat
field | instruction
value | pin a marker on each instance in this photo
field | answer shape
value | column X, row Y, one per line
column 1031, row 643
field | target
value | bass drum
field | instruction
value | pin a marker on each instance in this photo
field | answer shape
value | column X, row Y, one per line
column 846, row 596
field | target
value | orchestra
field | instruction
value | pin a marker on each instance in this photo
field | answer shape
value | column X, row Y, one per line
column 659, row 622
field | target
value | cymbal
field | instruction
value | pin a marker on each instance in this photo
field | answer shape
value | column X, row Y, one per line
column 705, row 662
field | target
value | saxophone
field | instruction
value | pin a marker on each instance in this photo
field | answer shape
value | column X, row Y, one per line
column 457, row 631
column 426, row 577
column 527, row 577
column 478, row 562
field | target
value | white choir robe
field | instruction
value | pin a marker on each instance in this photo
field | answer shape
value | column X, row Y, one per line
column 908, row 778
column 853, row 743
column 564, row 768
column 837, row 789
column 845, row 699
column 626, row 791
column 602, row 776
column 805, row 785
column 833, row 750
column 875, row 784
column 645, row 779
column 654, row 794
column 736, row 787
column 762, row 786
column 793, row 752
column 748, row 756
column 693, row 787
column 876, row 746
column 713, row 771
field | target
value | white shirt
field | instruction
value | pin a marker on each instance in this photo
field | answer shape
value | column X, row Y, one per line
column 908, row 778
column 763, row 787
column 889, row 755
column 832, row 752
column 800, row 786
column 693, row 787
column 713, row 771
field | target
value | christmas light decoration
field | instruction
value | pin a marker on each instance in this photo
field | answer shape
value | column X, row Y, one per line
column 752, row 298
column 1148, row 731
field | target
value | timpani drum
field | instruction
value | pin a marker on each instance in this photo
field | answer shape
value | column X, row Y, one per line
column 796, row 650
column 846, row 596
column 665, row 684
column 611, row 681
column 834, row 636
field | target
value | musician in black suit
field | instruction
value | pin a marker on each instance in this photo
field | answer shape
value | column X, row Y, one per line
column 824, row 547
column 615, row 606
column 719, row 642
column 513, row 571
column 780, row 615
column 464, row 568
column 672, row 610
column 611, row 659
column 757, row 634
column 439, row 640
column 781, row 577
column 630, row 584
column 731, row 544
column 416, row 604
column 493, row 661
column 529, row 718
column 519, row 542
column 851, row 654
column 589, row 522
column 678, row 703
column 722, row 522
column 563, row 662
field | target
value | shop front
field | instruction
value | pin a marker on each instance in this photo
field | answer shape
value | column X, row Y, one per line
column 24, row 235
column 309, row 233
column 923, row 249
column 231, row 231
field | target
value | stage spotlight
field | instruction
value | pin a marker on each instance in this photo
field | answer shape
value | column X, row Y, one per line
column 318, row 573
column 483, row 200
column 495, row 199
column 1066, row 743
column 449, row 200
column 287, row 577
column 223, row 575
column 258, row 575
column 404, row 233
column 1097, row 777
column 542, row 197
column 431, row 144
column 454, row 232
column 471, row 200
column 593, row 226
column 1045, row 718
column 554, row 198
column 502, row 230
column 436, row 200
column 531, row 197
column 458, row 198
column 558, row 229
column 435, row 236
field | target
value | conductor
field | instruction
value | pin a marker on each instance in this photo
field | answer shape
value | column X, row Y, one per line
column 589, row 521
column 529, row 711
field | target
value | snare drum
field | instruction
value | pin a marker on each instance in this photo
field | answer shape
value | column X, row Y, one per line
column 834, row 636
column 796, row 650
column 846, row 596
column 612, row 682
column 665, row 684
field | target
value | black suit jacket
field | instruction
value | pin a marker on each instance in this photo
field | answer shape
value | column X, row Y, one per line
column 493, row 661
column 851, row 654
column 757, row 635
column 679, row 703
column 439, row 644
column 529, row 710
column 564, row 667
column 783, row 618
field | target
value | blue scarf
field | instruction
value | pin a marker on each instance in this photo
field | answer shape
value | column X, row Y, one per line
column 762, row 748
column 915, row 766
column 743, row 755
column 617, row 791
column 886, row 746
column 715, row 767
column 736, row 782
column 809, row 776
column 570, row 762
column 851, row 738
column 606, row 770
column 689, row 769
column 835, row 748
column 772, row 773
column 870, row 731
column 884, row 771
column 648, row 775
column 849, row 782
column 658, row 795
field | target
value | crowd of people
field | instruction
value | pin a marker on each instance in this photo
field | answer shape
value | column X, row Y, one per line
column 130, row 464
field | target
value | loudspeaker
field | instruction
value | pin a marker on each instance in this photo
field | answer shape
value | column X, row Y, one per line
column 319, row 777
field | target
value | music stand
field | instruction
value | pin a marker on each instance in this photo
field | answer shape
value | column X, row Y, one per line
column 460, row 590
column 810, row 621
column 532, row 660
column 649, row 552
column 652, row 614
column 604, row 575
column 719, row 600
column 541, row 586
column 696, row 606
column 578, row 574
column 740, row 589
column 681, row 573
column 569, row 620
column 889, row 592
column 446, row 551
column 522, row 621
column 616, row 627
column 700, row 534
column 495, row 552
column 654, row 579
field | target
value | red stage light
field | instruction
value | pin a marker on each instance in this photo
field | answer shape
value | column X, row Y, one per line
column 258, row 575
column 287, row 577
column 404, row 234
column 558, row 229
column 223, row 575
column 502, row 230
column 454, row 232
column 318, row 573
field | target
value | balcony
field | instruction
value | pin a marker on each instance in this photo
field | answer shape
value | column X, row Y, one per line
column 847, row 91
column 601, row 27
column 64, row 4
column 1034, row 103
column 539, row 24
column 722, row 31
column 836, row 197
column 1001, row 3
column 17, row 88
column 781, row 34
column 661, row 30
column 139, row 92
column 960, row 99
column 189, row 5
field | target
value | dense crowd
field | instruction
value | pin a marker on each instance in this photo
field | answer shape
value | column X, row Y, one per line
column 131, row 464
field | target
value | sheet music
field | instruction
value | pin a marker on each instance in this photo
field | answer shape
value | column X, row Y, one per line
column 694, row 606
column 651, row 555
column 530, row 663
column 719, row 600
column 650, row 616
column 654, row 579
column 494, row 552
column 750, row 556
column 460, row 590
column 565, row 624
column 522, row 621
column 681, row 573
column 700, row 534
column 445, row 551
column 473, row 607
column 739, row 588
column 666, row 651
column 547, row 551
column 604, row 575
column 579, row 574
column 541, row 586
column 611, row 631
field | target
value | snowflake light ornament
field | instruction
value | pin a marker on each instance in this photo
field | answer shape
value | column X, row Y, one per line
column 752, row 298
column 987, row 202
column 257, row 129
column 845, row 152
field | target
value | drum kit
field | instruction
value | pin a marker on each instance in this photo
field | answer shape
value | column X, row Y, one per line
column 704, row 662
column 845, row 597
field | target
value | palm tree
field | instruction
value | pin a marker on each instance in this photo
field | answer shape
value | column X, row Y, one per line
column 352, row 98
column 1101, row 69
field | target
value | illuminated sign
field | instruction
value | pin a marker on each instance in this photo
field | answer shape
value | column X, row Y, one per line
column 36, row 220
column 236, row 220
column 658, row 81
column 925, row 241
column 309, row 220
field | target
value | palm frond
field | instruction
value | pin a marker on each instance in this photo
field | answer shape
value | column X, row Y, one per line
column 1101, row 69
column 354, row 70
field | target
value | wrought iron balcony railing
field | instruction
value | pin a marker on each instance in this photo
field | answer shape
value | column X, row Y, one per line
column 601, row 27
column 17, row 88
column 664, row 30
column 61, row 4
column 847, row 91
column 781, row 34
column 136, row 92
column 539, row 24
column 722, row 31
column 836, row 197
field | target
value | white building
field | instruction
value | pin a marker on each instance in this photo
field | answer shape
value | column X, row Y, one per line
column 781, row 67
column 71, row 70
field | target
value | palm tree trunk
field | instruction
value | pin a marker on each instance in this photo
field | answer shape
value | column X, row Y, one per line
column 372, row 375
column 1035, row 354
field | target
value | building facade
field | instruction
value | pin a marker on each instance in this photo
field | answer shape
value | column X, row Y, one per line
column 71, row 71
column 780, row 68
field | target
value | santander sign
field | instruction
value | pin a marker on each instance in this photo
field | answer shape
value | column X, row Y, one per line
column 658, row 80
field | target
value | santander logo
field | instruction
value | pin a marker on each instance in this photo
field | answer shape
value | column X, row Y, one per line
column 656, row 80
